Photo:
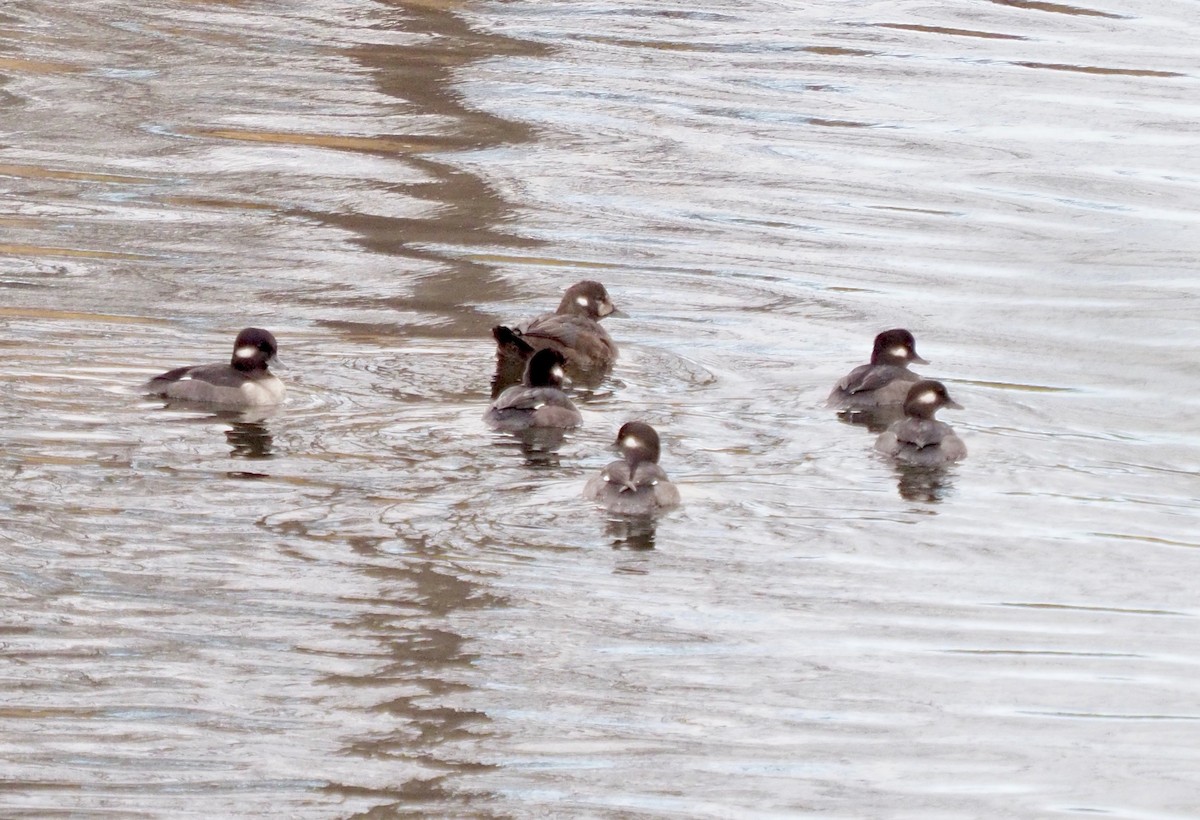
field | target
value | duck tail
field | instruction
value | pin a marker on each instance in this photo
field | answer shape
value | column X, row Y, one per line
column 506, row 337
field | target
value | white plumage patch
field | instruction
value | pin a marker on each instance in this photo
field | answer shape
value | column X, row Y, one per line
column 900, row 351
column 631, row 441
column 582, row 301
column 557, row 371
column 928, row 397
column 245, row 351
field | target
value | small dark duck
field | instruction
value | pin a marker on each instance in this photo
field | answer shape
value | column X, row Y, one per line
column 538, row 402
column 635, row 485
column 919, row 439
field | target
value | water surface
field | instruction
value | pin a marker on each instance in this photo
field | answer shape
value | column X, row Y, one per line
column 367, row 604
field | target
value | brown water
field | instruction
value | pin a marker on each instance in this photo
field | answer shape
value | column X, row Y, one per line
column 366, row 604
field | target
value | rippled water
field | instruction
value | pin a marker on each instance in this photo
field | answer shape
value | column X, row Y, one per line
column 367, row 604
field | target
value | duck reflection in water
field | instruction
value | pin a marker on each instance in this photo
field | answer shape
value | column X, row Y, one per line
column 929, row 485
column 539, row 446
column 631, row 532
column 247, row 434
column 875, row 419
column 249, row 439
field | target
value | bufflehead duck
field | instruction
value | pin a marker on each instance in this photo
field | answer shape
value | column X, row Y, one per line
column 886, row 380
column 244, row 382
column 573, row 330
column 636, row 485
column 919, row 439
column 538, row 401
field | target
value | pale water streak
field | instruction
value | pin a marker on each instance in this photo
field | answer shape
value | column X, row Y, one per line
column 365, row 604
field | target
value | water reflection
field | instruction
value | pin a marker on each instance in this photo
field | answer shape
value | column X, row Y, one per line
column 875, row 419
column 457, row 208
column 335, row 633
column 247, row 434
column 631, row 532
column 929, row 485
column 249, row 439
column 447, row 207
column 419, row 664
column 538, row 446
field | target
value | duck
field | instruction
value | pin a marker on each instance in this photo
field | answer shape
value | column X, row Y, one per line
column 919, row 439
column 243, row 383
column 634, row 485
column 886, row 380
column 538, row 402
column 573, row 330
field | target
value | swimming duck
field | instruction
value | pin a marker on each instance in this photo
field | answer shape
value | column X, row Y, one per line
column 573, row 330
column 886, row 380
column 635, row 485
column 538, row 401
column 244, row 382
column 919, row 439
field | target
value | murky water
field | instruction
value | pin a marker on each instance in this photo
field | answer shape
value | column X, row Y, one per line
column 367, row 604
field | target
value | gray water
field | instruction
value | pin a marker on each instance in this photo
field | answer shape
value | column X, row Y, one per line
column 366, row 604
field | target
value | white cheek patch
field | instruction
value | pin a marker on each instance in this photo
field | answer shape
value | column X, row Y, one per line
column 928, row 397
column 631, row 442
column 582, row 301
column 245, row 352
column 557, row 372
column 900, row 352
